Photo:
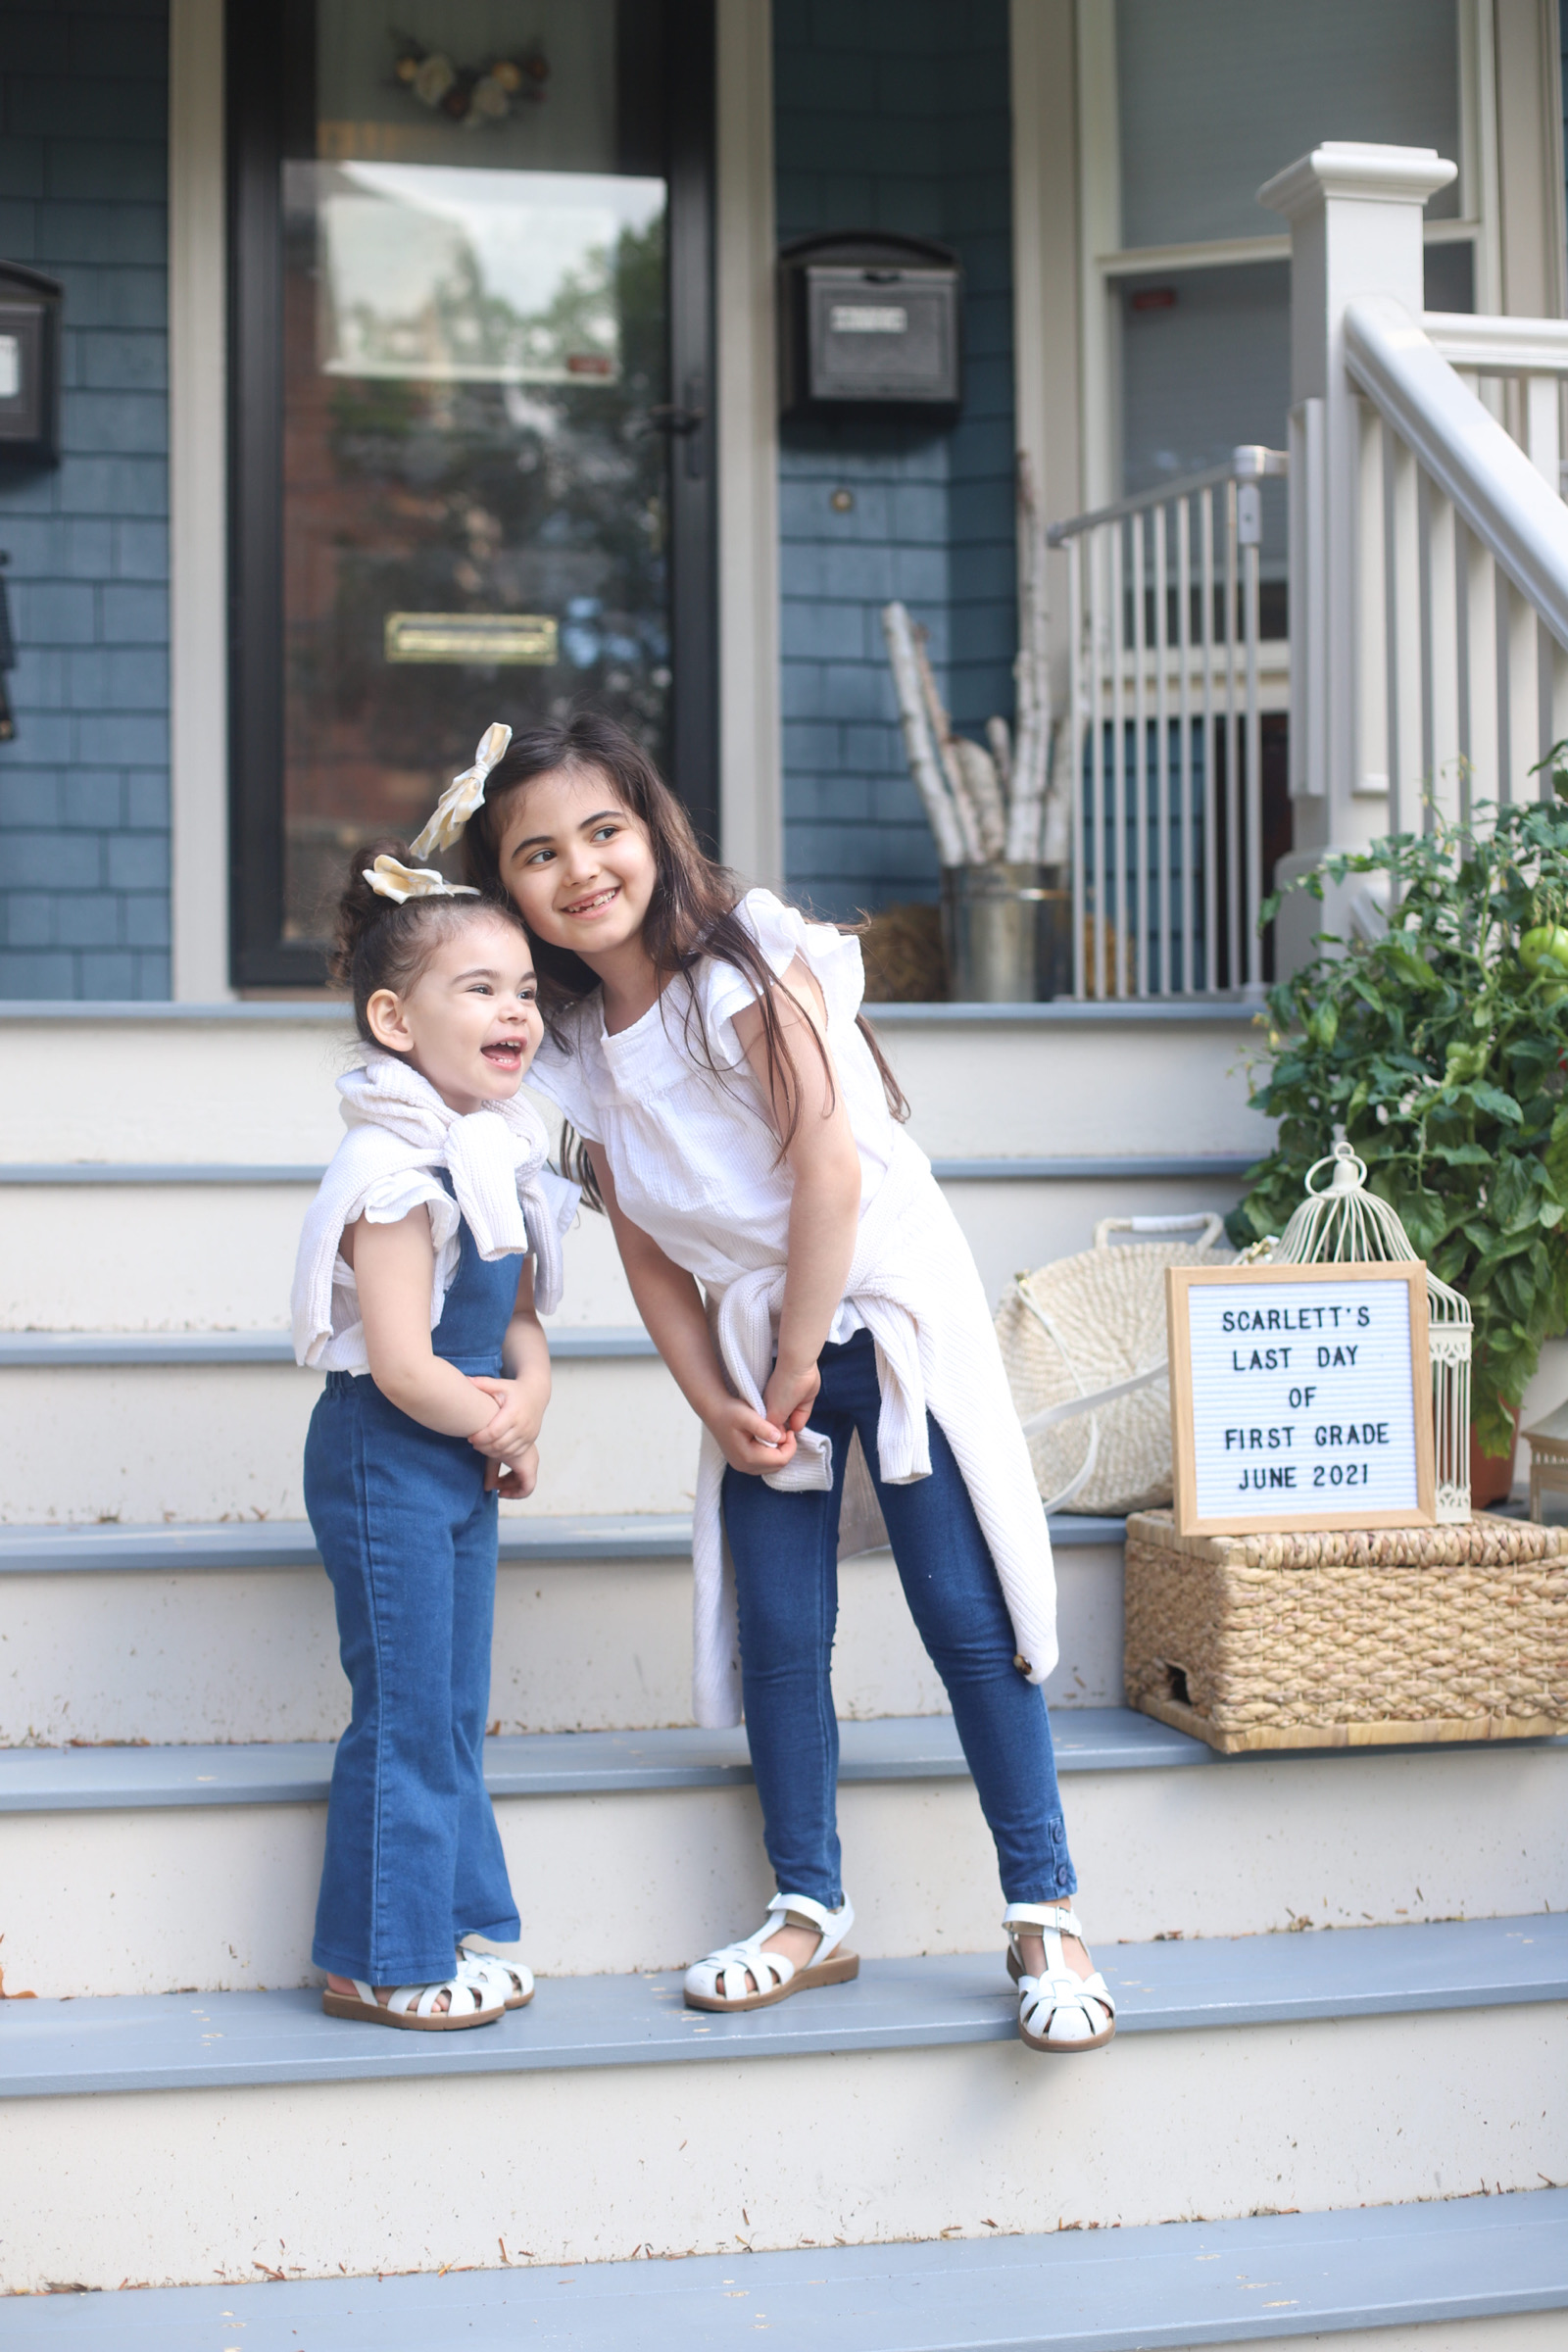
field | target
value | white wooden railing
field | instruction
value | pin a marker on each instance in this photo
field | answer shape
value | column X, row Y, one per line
column 1428, row 600
column 1165, row 690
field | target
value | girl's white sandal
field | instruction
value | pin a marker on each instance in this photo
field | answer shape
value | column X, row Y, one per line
column 468, row 2003
column 720, row 1980
column 502, row 1978
column 1058, row 2012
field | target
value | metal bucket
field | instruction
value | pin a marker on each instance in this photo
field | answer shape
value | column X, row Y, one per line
column 1007, row 932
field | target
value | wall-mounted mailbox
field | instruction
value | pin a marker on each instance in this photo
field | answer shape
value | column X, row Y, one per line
column 870, row 321
column 30, row 365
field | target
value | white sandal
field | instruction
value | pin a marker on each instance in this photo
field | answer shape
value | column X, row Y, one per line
column 719, row 1981
column 1058, row 2012
column 470, row 2002
column 502, row 1978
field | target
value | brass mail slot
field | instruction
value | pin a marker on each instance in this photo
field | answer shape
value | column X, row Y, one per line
column 478, row 637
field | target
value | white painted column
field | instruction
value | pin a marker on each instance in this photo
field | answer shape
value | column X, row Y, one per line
column 198, row 498
column 751, row 787
column 1355, row 228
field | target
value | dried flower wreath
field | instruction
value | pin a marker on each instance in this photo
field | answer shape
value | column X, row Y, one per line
column 472, row 95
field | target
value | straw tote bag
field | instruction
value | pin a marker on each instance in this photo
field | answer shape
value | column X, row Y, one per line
column 1084, row 1343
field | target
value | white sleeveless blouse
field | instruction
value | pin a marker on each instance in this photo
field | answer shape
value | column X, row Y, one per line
column 692, row 1149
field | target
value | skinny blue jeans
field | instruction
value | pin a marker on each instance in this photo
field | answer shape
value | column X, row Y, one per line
column 785, row 1551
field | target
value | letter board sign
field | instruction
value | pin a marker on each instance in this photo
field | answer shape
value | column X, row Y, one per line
column 1301, row 1396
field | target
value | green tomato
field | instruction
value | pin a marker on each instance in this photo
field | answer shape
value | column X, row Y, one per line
column 1464, row 1065
column 1547, row 945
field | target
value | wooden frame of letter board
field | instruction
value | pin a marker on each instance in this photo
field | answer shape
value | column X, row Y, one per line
column 1179, row 1280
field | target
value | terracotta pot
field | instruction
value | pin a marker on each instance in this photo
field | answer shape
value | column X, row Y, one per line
column 1492, row 1473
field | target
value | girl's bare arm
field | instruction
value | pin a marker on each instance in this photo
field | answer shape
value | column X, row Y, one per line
column 394, row 1267
column 825, row 1208
column 671, row 1305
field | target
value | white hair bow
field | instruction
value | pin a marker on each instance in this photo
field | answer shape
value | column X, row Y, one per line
column 464, row 795
column 390, row 879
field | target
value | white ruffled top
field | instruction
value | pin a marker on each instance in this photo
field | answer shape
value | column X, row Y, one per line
column 694, row 1155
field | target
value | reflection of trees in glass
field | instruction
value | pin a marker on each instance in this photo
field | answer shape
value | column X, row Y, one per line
column 483, row 496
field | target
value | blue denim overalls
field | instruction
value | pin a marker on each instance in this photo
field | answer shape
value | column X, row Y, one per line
column 407, row 1534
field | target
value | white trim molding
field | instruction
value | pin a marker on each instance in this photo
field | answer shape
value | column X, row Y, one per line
column 198, row 494
column 751, row 731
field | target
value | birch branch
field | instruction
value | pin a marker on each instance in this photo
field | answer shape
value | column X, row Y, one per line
column 952, row 764
column 941, row 812
column 1032, row 752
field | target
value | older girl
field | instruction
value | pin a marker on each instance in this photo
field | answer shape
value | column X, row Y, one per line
column 739, row 1127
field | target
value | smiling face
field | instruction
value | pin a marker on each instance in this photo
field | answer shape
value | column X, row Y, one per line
column 578, row 865
column 468, row 1023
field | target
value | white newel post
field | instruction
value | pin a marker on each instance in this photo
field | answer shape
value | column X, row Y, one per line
column 1355, row 228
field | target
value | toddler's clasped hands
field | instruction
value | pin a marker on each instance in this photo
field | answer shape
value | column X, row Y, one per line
column 509, row 1442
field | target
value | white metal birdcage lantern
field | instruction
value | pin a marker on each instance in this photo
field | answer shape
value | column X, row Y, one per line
column 1344, row 1223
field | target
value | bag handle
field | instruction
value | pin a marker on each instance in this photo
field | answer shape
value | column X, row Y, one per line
column 1201, row 1221
column 1088, row 1401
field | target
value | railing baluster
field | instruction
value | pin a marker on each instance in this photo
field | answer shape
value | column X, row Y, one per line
column 1076, row 744
column 1518, row 705
column 1164, row 979
column 1118, row 753
column 1440, row 631
column 1232, row 763
column 1210, row 737
column 1184, row 653
column 1099, row 558
column 1139, row 885
column 1252, row 555
column 1478, row 670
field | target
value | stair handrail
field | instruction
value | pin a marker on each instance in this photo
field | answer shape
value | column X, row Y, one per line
column 1250, row 462
column 1492, row 484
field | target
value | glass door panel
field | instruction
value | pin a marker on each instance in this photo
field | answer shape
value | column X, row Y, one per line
column 472, row 503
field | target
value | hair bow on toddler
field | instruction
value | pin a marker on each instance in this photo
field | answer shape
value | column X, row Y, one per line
column 391, row 879
column 464, row 795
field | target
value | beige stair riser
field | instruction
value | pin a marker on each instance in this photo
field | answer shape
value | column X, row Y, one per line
column 181, row 1659
column 220, row 1257
column 171, row 1090
column 206, row 1257
column 223, row 1897
column 143, row 1442
column 713, row 2158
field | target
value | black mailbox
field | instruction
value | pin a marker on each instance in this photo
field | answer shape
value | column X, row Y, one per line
column 869, row 321
column 30, row 365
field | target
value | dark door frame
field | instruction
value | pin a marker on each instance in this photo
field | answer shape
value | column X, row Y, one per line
column 270, row 113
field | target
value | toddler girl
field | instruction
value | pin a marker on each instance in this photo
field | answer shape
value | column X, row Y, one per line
column 739, row 1125
column 409, row 1292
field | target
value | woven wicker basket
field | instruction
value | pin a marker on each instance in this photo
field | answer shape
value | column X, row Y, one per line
column 1326, row 1640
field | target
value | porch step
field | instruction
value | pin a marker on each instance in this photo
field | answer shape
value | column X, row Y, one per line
column 172, row 2041
column 181, row 1433
column 1343, row 2275
column 1293, row 2071
column 131, row 1871
column 224, row 1631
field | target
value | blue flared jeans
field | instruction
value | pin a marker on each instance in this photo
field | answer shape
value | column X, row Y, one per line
column 785, row 1551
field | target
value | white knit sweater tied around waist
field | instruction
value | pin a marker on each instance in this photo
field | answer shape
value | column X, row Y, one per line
column 913, row 1285
column 400, row 1133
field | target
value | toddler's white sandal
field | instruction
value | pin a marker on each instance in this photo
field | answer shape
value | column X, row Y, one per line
column 497, row 1974
column 719, row 1981
column 468, row 2003
column 1058, row 2012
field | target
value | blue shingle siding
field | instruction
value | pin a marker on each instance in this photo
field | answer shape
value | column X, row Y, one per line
column 84, row 787
column 894, row 114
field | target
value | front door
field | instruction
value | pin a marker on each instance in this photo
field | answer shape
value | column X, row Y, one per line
column 471, row 413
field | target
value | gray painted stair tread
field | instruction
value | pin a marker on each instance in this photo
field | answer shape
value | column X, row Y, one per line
column 56, row 1780
column 41, row 1351
column 192, row 2041
column 1110, row 2291
column 289, row 1543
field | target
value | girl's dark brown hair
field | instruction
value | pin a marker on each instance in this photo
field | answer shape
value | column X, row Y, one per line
column 692, row 914
column 378, row 944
